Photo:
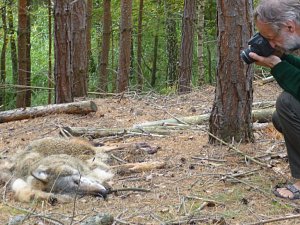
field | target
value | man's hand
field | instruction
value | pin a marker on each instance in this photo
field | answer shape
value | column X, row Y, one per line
column 269, row 61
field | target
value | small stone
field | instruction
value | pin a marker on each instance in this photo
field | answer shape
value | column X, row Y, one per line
column 164, row 210
column 17, row 220
column 149, row 178
column 99, row 219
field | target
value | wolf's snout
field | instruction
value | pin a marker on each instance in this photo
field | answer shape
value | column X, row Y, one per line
column 104, row 193
column 91, row 186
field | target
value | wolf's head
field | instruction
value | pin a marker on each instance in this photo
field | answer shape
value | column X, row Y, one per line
column 67, row 175
column 52, row 168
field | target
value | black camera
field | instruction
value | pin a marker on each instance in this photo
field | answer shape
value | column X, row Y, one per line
column 259, row 45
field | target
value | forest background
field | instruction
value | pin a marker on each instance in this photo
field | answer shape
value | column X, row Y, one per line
column 162, row 21
column 69, row 49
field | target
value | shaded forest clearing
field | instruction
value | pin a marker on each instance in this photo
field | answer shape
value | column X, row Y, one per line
column 200, row 183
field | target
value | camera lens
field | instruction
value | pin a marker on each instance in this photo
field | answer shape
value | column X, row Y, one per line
column 245, row 56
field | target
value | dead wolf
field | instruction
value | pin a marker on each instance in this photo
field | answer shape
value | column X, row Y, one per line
column 54, row 169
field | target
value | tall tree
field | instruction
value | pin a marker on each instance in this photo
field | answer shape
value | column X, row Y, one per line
column 200, row 34
column 172, row 45
column 155, row 47
column 79, row 54
column 154, row 61
column 187, row 42
column 24, row 61
column 139, row 47
column 3, row 55
column 12, row 41
column 211, row 14
column 114, row 74
column 125, row 45
column 89, row 11
column 231, row 113
column 103, row 71
column 63, row 73
column 50, row 80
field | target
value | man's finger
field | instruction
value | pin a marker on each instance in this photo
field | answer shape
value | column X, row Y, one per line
column 255, row 56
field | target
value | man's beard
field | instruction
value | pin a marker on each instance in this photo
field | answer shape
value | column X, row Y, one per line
column 291, row 42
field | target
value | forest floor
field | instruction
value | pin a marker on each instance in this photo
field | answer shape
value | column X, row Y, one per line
column 200, row 184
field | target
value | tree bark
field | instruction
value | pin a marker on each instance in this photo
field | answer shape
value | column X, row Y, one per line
column 12, row 40
column 114, row 74
column 172, row 45
column 187, row 42
column 155, row 55
column 79, row 48
column 33, row 112
column 63, row 73
column 3, row 56
column 125, row 45
column 50, row 78
column 24, row 65
column 200, row 34
column 28, row 55
column 107, row 22
column 89, row 11
column 139, row 48
column 231, row 111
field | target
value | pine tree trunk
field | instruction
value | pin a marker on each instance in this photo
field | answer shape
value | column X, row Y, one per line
column 50, row 79
column 139, row 47
column 200, row 34
column 231, row 112
column 154, row 65
column 114, row 73
column 125, row 45
column 187, row 42
column 172, row 45
column 28, row 55
column 79, row 48
column 12, row 40
column 24, row 64
column 103, row 68
column 62, row 44
column 3, row 57
column 89, row 11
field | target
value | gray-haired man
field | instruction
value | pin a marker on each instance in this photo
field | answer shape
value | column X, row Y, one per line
column 279, row 22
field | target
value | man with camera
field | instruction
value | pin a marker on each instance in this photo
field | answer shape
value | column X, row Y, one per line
column 278, row 22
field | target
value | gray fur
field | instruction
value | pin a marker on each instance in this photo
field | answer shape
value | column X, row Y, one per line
column 57, row 168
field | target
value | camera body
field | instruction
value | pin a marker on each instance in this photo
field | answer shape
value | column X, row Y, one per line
column 259, row 45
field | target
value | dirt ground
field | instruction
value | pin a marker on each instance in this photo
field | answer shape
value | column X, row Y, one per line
column 200, row 184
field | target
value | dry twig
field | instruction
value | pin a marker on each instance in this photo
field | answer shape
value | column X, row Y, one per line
column 209, row 159
column 130, row 189
column 237, row 150
column 274, row 220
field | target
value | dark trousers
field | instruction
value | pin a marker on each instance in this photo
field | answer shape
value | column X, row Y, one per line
column 286, row 120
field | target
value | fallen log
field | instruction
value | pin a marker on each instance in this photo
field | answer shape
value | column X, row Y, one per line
column 263, row 105
column 258, row 115
column 96, row 132
column 83, row 107
column 161, row 127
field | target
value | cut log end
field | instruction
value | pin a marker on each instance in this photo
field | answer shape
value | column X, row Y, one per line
column 94, row 107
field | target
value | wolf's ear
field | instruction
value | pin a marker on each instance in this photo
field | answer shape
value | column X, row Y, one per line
column 40, row 174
